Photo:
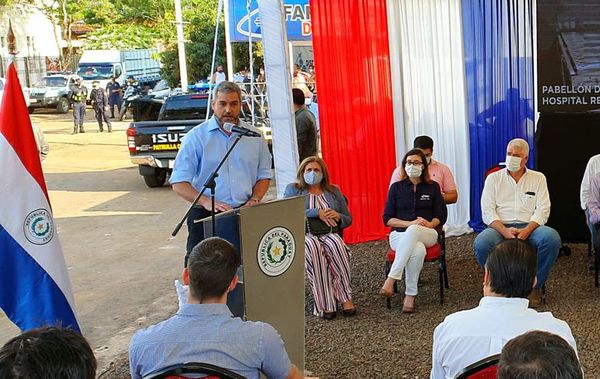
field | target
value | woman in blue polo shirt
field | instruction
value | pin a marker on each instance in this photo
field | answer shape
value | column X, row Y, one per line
column 414, row 209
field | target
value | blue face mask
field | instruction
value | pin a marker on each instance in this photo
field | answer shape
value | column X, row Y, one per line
column 312, row 177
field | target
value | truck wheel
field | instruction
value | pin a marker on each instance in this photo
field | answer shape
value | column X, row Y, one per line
column 30, row 110
column 157, row 179
column 63, row 105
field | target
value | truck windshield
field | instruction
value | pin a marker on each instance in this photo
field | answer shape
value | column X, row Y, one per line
column 91, row 72
column 50, row 81
column 184, row 108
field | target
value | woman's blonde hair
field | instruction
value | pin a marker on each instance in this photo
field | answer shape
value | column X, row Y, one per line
column 325, row 183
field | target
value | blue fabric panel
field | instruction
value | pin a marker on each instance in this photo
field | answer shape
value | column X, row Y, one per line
column 498, row 44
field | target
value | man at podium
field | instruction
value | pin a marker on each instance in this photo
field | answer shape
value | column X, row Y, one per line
column 244, row 178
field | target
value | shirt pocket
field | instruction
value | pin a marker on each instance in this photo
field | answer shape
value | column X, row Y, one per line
column 528, row 201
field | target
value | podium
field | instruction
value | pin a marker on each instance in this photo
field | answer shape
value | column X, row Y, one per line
column 270, row 239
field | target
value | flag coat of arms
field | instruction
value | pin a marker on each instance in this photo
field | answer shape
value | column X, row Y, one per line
column 34, row 284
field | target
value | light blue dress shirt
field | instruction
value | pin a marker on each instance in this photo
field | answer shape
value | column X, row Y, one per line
column 203, row 148
column 208, row 333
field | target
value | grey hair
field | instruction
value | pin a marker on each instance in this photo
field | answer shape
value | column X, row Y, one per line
column 228, row 87
column 520, row 144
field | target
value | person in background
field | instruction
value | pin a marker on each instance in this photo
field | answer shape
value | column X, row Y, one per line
column 114, row 96
column 204, row 330
column 40, row 141
column 592, row 168
column 466, row 337
column 218, row 76
column 47, row 353
column 327, row 256
column 299, row 79
column 78, row 96
column 438, row 172
column 306, row 130
column 515, row 203
column 415, row 210
column 593, row 211
column 100, row 104
column 537, row 355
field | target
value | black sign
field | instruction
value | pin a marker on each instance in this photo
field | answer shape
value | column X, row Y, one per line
column 568, row 55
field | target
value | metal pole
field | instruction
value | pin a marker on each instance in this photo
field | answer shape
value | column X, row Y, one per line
column 214, row 57
column 181, row 47
column 228, row 51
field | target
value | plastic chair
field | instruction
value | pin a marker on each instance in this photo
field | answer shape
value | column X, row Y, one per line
column 483, row 369
column 435, row 253
column 180, row 371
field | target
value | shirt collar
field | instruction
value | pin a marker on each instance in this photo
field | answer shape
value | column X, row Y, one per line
column 504, row 302
column 204, row 309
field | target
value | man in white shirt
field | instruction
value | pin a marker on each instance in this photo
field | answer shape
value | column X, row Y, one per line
column 466, row 337
column 591, row 170
column 515, row 204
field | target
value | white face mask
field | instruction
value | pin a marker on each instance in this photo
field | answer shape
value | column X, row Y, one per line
column 413, row 171
column 513, row 164
column 428, row 159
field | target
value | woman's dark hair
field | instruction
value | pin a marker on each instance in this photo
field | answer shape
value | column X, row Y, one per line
column 212, row 265
column 325, row 183
column 538, row 354
column 425, row 174
column 47, row 353
column 512, row 266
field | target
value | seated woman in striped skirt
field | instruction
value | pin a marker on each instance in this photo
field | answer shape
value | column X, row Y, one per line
column 327, row 256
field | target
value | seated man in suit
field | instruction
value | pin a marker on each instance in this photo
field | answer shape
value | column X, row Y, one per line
column 438, row 172
column 515, row 204
column 203, row 330
column 538, row 354
column 593, row 210
column 466, row 337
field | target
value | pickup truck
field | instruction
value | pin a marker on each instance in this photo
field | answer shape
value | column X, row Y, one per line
column 153, row 145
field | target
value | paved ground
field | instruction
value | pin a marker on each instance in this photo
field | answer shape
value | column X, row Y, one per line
column 114, row 230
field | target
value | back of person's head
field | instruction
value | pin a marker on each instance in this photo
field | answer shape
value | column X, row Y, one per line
column 298, row 96
column 512, row 268
column 212, row 265
column 538, row 355
column 47, row 353
column 423, row 142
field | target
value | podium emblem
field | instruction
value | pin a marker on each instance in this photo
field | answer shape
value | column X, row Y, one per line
column 276, row 251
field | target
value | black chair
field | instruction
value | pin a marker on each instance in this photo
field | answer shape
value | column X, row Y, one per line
column 436, row 253
column 483, row 369
column 180, row 371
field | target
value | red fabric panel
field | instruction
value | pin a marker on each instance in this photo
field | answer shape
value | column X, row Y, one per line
column 432, row 253
column 15, row 125
column 352, row 64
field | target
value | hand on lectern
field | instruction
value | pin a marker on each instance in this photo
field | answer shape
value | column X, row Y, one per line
column 182, row 292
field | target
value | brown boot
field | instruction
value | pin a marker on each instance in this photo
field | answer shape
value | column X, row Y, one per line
column 535, row 298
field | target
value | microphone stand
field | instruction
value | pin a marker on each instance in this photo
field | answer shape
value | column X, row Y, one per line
column 212, row 184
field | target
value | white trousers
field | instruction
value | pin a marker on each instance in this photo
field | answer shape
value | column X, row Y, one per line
column 410, row 247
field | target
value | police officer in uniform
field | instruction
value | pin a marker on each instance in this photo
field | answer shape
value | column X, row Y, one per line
column 100, row 104
column 114, row 96
column 78, row 95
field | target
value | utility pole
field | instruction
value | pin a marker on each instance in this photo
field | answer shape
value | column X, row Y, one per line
column 228, row 49
column 181, row 46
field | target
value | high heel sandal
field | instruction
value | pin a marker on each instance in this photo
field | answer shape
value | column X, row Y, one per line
column 329, row 315
column 385, row 293
column 406, row 309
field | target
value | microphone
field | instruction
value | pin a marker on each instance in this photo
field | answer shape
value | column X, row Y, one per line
column 240, row 129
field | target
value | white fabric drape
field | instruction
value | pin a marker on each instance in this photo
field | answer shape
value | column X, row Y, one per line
column 428, row 77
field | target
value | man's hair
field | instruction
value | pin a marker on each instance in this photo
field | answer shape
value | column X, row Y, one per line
column 228, row 87
column 298, row 96
column 212, row 265
column 512, row 268
column 519, row 143
column 536, row 355
column 423, row 142
column 47, row 353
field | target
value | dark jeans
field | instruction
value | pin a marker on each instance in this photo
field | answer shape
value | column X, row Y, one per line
column 101, row 116
column 78, row 114
column 226, row 228
column 112, row 101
